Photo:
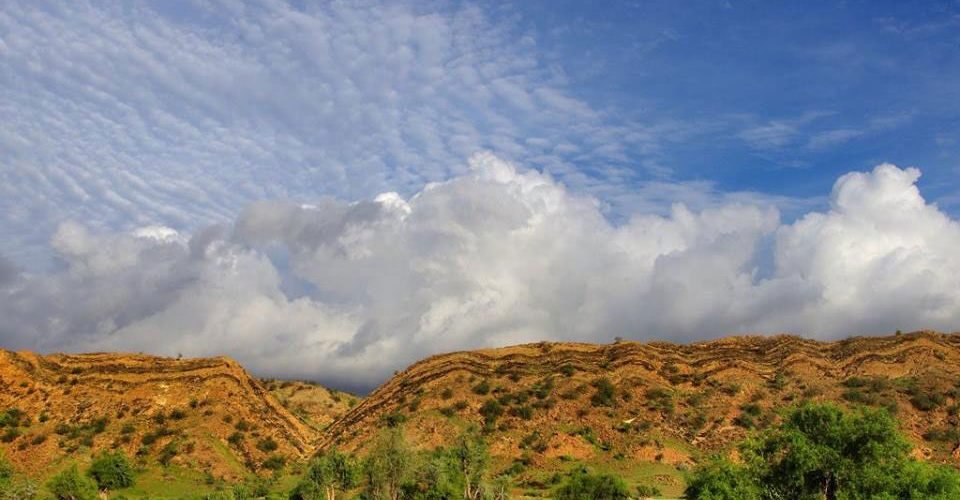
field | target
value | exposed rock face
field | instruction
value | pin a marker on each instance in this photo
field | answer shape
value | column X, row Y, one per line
column 158, row 409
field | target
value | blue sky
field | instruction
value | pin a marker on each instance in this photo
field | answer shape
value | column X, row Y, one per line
column 780, row 97
column 314, row 186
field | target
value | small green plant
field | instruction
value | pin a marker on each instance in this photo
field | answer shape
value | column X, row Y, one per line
column 112, row 471
column 483, row 388
column 274, row 462
column 267, row 445
column 605, row 392
column 71, row 485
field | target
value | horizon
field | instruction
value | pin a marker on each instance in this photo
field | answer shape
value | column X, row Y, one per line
column 332, row 192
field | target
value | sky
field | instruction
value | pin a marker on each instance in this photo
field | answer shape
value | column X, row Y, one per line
column 333, row 190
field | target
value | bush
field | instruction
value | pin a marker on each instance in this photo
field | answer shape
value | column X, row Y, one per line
column 645, row 491
column 491, row 411
column 660, row 399
column 605, row 393
column 267, row 445
column 393, row 419
column 483, row 388
column 523, row 412
column 112, row 471
column 582, row 484
column 71, row 485
column 720, row 479
column 274, row 462
column 167, row 453
column 235, row 439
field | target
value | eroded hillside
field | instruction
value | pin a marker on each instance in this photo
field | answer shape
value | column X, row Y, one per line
column 314, row 404
column 205, row 414
column 649, row 410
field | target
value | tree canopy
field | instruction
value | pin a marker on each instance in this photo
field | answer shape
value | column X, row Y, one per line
column 823, row 452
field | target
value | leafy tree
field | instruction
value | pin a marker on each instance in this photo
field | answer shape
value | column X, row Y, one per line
column 582, row 484
column 822, row 452
column 387, row 466
column 820, row 449
column 328, row 473
column 436, row 477
column 472, row 458
column 71, row 485
column 720, row 479
column 112, row 471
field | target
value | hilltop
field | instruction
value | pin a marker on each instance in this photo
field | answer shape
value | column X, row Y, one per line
column 648, row 411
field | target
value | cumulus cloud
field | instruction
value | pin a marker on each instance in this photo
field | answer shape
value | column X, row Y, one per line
column 346, row 292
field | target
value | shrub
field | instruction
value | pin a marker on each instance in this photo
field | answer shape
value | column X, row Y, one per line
column 582, row 484
column 605, row 393
column 235, row 439
column 10, row 434
column 543, row 388
column 524, row 412
column 267, row 445
column 660, row 399
column 491, row 411
column 393, row 419
column 447, row 393
column 646, row 491
column 274, row 462
column 167, row 453
column 568, row 370
column 483, row 388
column 112, row 471
column 71, row 485
column 177, row 414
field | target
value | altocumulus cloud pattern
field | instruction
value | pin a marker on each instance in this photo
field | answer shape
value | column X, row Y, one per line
column 347, row 292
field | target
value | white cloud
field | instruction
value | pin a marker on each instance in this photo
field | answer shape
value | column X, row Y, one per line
column 832, row 138
column 123, row 115
column 347, row 292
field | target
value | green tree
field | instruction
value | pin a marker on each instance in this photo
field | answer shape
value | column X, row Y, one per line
column 112, row 471
column 819, row 449
column 435, row 477
column 823, row 452
column 472, row 458
column 327, row 474
column 387, row 466
column 71, row 485
column 720, row 479
column 582, row 484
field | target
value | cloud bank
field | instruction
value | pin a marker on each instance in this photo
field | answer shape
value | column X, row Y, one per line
column 348, row 292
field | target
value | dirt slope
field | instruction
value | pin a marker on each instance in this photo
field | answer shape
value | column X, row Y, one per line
column 549, row 404
column 205, row 414
column 314, row 404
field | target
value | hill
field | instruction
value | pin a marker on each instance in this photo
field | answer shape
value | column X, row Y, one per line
column 647, row 411
column 314, row 404
column 205, row 415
